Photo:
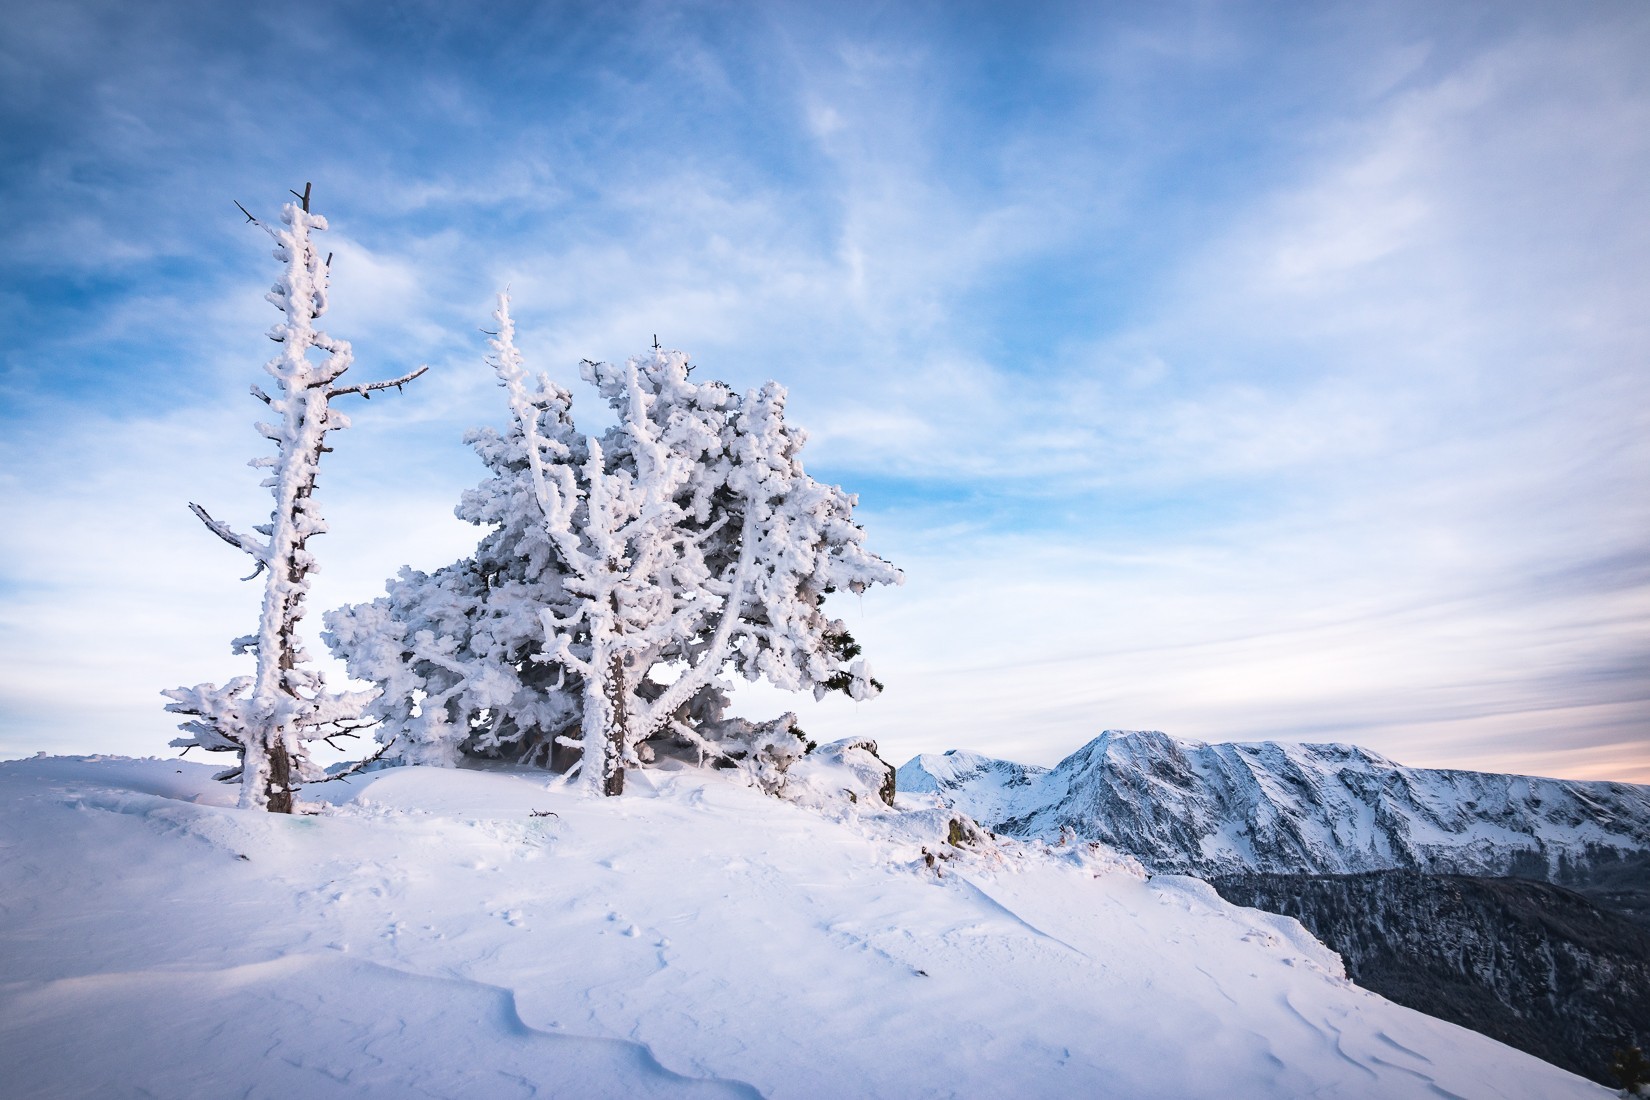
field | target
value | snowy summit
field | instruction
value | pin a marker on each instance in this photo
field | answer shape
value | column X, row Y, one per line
column 487, row 932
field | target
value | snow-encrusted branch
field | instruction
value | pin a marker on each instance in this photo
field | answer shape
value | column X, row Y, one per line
column 366, row 389
column 705, row 670
column 258, row 550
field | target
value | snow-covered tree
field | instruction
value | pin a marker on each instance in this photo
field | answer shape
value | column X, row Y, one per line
column 628, row 577
column 267, row 718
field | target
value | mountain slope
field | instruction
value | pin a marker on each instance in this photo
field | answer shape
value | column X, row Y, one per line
column 1387, row 865
column 996, row 789
column 429, row 936
column 1566, row 980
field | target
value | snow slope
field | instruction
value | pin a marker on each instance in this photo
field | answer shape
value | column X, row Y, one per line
column 1281, row 808
column 426, row 936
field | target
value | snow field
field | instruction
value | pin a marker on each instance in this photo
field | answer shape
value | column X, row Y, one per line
column 426, row 936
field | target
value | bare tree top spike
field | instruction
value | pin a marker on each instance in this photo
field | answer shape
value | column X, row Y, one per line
column 304, row 198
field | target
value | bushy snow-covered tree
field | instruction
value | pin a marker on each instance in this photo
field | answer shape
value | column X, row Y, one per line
column 267, row 718
column 628, row 576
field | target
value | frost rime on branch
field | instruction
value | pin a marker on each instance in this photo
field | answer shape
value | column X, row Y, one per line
column 268, row 718
column 641, row 567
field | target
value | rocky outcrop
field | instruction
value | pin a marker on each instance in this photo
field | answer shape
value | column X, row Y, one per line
column 850, row 768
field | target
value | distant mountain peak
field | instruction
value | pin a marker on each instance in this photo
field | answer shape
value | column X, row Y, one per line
column 1282, row 807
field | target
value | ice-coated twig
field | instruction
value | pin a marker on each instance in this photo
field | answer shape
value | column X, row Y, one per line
column 358, row 766
column 366, row 389
column 258, row 550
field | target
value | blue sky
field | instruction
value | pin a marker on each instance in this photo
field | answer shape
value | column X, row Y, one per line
column 1237, row 370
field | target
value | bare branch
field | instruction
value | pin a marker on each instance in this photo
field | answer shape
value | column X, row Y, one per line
column 260, row 225
column 358, row 765
column 543, row 813
column 304, row 198
column 257, row 549
column 366, row 388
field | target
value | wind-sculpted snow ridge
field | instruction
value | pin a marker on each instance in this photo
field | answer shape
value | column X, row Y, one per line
column 486, row 932
column 320, row 1026
column 1189, row 807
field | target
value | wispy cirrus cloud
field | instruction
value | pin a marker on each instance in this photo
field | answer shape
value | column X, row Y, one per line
column 1209, row 369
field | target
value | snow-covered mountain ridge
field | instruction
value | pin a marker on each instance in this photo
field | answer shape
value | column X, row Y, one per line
column 485, row 933
column 1273, row 807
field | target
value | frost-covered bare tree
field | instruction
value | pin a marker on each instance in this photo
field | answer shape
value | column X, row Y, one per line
column 629, row 575
column 269, row 717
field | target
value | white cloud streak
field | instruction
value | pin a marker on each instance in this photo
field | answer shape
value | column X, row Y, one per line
column 1352, row 451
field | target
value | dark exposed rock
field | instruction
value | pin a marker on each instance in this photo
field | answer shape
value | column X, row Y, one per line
column 963, row 831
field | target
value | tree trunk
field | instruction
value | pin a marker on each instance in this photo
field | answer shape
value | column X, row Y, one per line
column 617, row 721
column 278, row 788
column 278, row 777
